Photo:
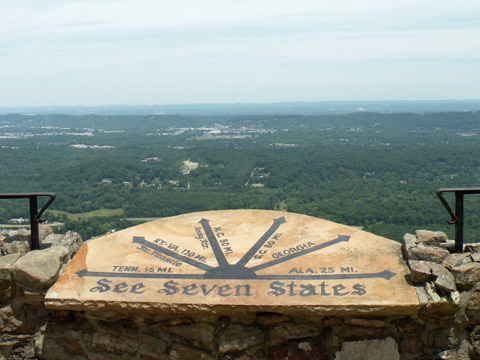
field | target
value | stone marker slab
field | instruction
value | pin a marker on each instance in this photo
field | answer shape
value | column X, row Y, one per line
column 234, row 261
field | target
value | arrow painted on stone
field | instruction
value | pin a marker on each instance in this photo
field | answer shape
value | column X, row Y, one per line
column 212, row 239
column 86, row 272
column 340, row 238
column 385, row 274
column 253, row 250
column 142, row 241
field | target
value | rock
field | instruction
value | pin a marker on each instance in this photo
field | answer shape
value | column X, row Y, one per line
column 59, row 345
column 268, row 319
column 466, row 275
column 304, row 350
column 18, row 235
column 237, row 337
column 411, row 345
column 410, row 241
column 420, row 271
column 444, row 279
column 289, row 331
column 17, row 241
column 357, row 332
column 183, row 352
column 21, row 247
column 11, row 320
column 423, row 298
column 475, row 257
column 449, row 245
column 473, row 248
column 431, row 237
column 428, row 253
column 6, row 263
column 369, row 349
column 367, row 322
column 71, row 240
column 179, row 321
column 39, row 269
column 44, row 231
column 51, row 240
column 432, row 294
column 453, row 260
column 111, row 343
column 151, row 346
column 473, row 304
column 199, row 334
column 440, row 305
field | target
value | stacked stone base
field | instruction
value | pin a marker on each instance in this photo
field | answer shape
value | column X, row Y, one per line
column 446, row 327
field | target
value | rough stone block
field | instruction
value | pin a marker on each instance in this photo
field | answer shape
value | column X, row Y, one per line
column 288, row 331
column 51, row 347
column 304, row 350
column 182, row 352
column 448, row 244
column 268, row 319
column 473, row 248
column 410, row 241
column 357, row 332
column 367, row 322
column 11, row 320
column 237, row 337
column 104, row 342
column 475, row 257
column 453, row 260
column 423, row 298
column 11, row 246
column 71, row 240
column 369, row 349
column 466, row 275
column 444, row 279
column 39, row 269
column 153, row 347
column 412, row 345
column 420, row 271
column 429, row 253
column 6, row 263
column 44, row 231
column 431, row 237
column 199, row 334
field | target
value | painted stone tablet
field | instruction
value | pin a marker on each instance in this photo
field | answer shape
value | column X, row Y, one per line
column 237, row 260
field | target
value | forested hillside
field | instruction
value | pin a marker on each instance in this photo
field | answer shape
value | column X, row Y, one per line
column 379, row 171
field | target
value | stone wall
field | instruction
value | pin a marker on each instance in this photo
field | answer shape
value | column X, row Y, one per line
column 447, row 326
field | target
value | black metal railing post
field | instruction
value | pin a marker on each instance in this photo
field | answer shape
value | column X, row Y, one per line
column 34, row 213
column 457, row 217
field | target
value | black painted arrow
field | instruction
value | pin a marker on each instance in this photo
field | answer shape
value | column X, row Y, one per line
column 340, row 238
column 212, row 239
column 86, row 272
column 276, row 224
column 142, row 241
column 385, row 274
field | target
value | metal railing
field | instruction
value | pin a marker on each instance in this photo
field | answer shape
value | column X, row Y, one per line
column 34, row 213
column 457, row 216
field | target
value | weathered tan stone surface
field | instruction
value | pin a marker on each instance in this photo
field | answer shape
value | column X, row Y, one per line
column 235, row 261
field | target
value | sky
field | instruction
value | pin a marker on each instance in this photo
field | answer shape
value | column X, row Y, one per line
column 139, row 52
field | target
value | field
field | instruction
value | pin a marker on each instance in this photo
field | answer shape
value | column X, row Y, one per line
column 378, row 171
